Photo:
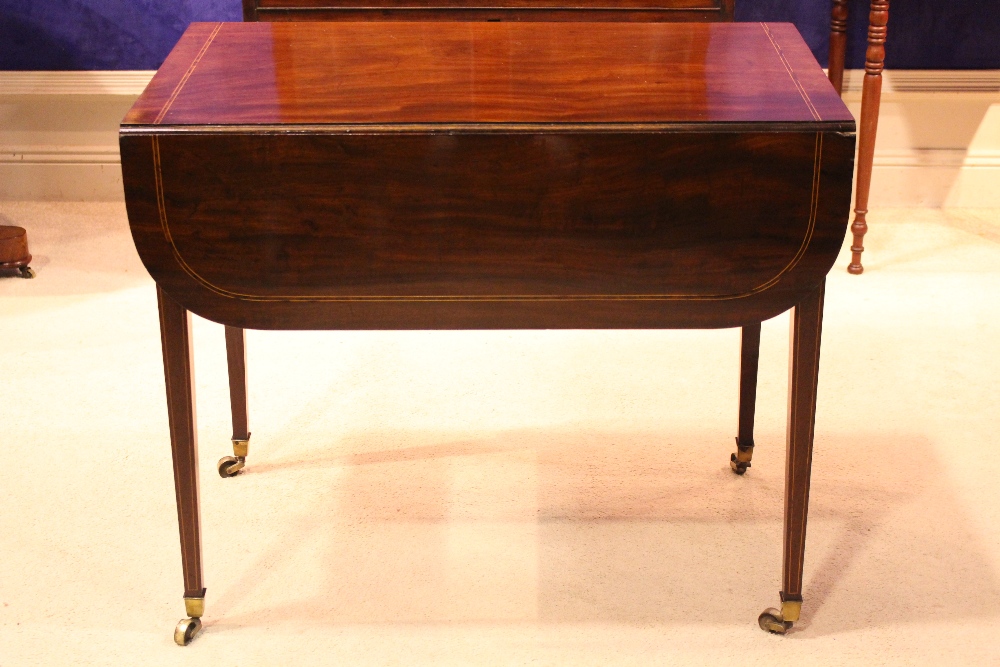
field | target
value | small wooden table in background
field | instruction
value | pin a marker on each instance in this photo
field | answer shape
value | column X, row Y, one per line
column 871, row 95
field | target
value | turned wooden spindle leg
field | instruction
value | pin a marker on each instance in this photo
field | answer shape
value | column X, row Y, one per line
column 838, row 44
column 178, row 370
column 236, row 356
column 749, row 355
column 870, row 101
column 807, row 325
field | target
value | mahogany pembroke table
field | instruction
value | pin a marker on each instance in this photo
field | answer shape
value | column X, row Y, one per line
column 478, row 175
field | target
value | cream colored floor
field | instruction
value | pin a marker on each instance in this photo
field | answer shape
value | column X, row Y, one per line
column 503, row 498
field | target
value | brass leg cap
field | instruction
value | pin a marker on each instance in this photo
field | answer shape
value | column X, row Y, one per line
column 739, row 467
column 186, row 630
column 27, row 272
column 241, row 448
column 772, row 621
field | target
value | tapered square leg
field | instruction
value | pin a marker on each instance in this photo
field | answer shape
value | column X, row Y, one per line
column 807, row 325
column 236, row 356
column 749, row 356
column 178, row 370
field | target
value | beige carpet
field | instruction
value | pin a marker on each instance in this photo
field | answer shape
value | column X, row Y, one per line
column 503, row 498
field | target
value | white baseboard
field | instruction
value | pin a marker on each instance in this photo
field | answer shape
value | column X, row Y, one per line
column 895, row 82
column 130, row 83
column 59, row 133
column 938, row 139
column 61, row 182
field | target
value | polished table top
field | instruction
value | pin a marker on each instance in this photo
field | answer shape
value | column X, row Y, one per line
column 459, row 73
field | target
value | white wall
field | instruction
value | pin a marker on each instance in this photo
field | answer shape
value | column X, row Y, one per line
column 938, row 142
column 938, row 138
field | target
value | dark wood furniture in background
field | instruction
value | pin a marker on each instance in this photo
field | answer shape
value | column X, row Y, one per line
column 624, row 10
column 489, row 176
column 493, row 10
column 14, row 255
column 871, row 97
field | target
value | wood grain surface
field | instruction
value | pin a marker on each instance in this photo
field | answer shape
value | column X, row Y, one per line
column 178, row 371
column 749, row 359
column 803, row 378
column 475, row 73
column 488, row 230
column 236, row 358
column 13, row 246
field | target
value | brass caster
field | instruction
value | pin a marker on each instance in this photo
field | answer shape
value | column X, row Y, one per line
column 27, row 272
column 230, row 466
column 779, row 621
column 771, row 621
column 740, row 461
column 186, row 630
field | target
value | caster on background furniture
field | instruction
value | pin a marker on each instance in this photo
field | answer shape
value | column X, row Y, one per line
column 230, row 466
column 188, row 628
column 740, row 461
column 27, row 272
column 778, row 621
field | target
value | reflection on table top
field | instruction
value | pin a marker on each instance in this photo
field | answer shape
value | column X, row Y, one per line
column 476, row 72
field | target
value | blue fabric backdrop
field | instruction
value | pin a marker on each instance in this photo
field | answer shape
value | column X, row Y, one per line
column 99, row 34
column 138, row 34
column 923, row 34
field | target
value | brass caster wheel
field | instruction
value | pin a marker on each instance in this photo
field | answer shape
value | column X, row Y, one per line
column 772, row 621
column 186, row 630
column 27, row 272
column 230, row 466
column 740, row 461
